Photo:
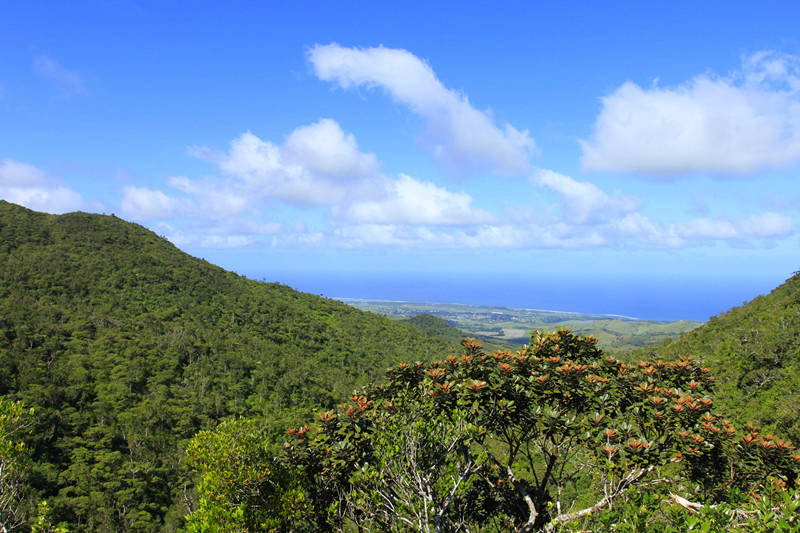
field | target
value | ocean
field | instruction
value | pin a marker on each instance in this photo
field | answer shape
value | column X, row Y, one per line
column 643, row 298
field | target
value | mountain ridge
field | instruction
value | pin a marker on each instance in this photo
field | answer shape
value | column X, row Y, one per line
column 754, row 352
column 126, row 347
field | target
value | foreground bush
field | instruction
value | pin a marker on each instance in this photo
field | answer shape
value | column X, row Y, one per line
column 554, row 435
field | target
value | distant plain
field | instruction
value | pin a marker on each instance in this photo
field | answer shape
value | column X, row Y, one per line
column 508, row 326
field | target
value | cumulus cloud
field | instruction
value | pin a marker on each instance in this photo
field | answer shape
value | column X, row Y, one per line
column 18, row 174
column 189, row 231
column 317, row 166
column 706, row 228
column 641, row 228
column 409, row 201
column 214, row 197
column 141, row 203
column 312, row 167
column 320, row 165
column 701, row 230
column 767, row 225
column 729, row 125
column 368, row 235
column 225, row 241
column 463, row 138
column 319, row 174
column 584, row 202
column 67, row 81
column 27, row 185
column 325, row 150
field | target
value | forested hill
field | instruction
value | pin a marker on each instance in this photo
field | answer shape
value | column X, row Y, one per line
column 445, row 330
column 754, row 352
column 126, row 347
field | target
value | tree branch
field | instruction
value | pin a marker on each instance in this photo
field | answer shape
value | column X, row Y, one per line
column 630, row 480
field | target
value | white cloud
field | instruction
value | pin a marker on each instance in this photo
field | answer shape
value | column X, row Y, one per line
column 706, row 228
column 225, row 241
column 325, row 150
column 409, row 201
column 635, row 224
column 319, row 174
column 56, row 200
column 18, row 174
column 67, row 81
column 141, row 203
column 642, row 229
column 480, row 236
column 317, row 167
column 728, row 125
column 701, row 230
column 320, row 165
column 768, row 225
column 249, row 158
column 24, row 184
column 584, row 202
column 565, row 237
column 313, row 166
column 463, row 139
column 369, row 235
column 230, row 233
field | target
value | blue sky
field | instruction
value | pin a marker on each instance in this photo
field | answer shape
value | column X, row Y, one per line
column 325, row 144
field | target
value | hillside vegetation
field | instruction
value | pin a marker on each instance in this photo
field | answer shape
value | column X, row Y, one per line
column 123, row 361
column 443, row 329
column 754, row 351
column 126, row 347
column 556, row 436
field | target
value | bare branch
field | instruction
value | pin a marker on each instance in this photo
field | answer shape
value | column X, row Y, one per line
column 626, row 483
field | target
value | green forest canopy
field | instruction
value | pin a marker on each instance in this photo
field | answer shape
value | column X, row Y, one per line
column 126, row 347
column 554, row 436
column 754, row 351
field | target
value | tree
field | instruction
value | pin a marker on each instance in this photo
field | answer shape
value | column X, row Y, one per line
column 242, row 487
column 15, row 421
column 417, row 468
column 523, row 441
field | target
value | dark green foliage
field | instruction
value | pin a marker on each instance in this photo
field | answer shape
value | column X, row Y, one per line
column 127, row 347
column 553, row 434
column 438, row 326
column 242, row 487
column 442, row 328
column 754, row 351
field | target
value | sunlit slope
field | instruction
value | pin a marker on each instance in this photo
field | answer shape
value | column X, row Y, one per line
column 754, row 351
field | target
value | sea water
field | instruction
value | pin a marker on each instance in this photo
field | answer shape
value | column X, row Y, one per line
column 639, row 297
